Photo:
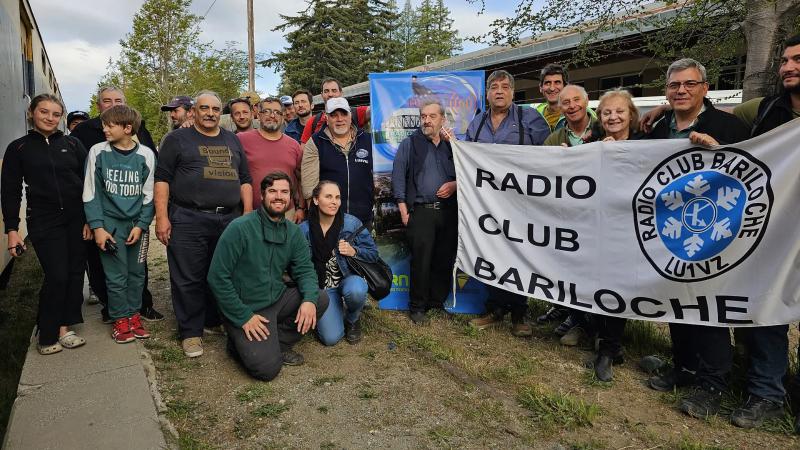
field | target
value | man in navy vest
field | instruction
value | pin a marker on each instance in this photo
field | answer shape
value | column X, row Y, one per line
column 424, row 185
column 341, row 152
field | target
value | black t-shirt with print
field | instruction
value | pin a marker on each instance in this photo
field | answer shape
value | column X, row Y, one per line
column 202, row 171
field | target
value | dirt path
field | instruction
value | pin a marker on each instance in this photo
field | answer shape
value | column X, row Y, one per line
column 441, row 386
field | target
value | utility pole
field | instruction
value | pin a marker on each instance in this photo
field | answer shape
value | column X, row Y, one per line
column 251, row 48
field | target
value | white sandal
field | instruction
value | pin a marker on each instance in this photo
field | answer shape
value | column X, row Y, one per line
column 71, row 340
column 49, row 349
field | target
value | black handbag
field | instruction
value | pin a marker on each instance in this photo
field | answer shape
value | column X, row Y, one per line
column 378, row 274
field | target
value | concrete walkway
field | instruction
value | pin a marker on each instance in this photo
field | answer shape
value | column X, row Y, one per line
column 96, row 396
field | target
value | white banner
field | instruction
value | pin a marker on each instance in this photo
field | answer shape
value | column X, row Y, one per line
column 654, row 230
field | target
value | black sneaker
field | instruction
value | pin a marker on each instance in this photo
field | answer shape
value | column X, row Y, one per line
column 755, row 411
column 702, row 403
column 554, row 314
column 151, row 315
column 292, row 358
column 671, row 380
column 352, row 332
column 418, row 317
column 603, row 368
column 568, row 324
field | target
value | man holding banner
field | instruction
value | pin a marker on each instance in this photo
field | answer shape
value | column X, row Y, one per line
column 423, row 183
column 505, row 123
column 701, row 354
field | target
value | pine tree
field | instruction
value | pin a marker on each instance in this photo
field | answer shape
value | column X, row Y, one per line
column 433, row 35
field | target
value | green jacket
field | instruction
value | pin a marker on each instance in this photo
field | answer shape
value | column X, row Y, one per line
column 559, row 136
column 246, row 272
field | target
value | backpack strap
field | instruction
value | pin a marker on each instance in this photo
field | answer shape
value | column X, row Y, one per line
column 315, row 122
column 763, row 110
column 520, row 129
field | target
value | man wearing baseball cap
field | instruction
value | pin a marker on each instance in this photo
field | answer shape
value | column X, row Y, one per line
column 288, row 108
column 341, row 152
column 76, row 117
column 180, row 110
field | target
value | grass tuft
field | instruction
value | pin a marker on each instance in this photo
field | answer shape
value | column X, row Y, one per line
column 331, row 379
column 557, row 409
column 253, row 392
column 271, row 410
column 181, row 409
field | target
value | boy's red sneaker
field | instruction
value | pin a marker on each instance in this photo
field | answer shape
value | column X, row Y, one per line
column 136, row 327
column 121, row 332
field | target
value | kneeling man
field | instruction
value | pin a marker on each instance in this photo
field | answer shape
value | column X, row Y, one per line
column 263, row 317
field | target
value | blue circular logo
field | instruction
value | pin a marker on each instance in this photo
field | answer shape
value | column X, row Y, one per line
column 702, row 212
column 699, row 214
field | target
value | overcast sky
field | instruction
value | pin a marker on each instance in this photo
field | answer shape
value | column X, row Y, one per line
column 81, row 36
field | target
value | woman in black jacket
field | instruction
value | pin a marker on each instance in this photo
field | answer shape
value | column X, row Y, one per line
column 52, row 166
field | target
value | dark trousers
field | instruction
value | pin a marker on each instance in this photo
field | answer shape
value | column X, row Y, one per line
column 263, row 359
column 501, row 301
column 57, row 239
column 432, row 236
column 610, row 330
column 768, row 352
column 191, row 246
column 705, row 350
column 97, row 277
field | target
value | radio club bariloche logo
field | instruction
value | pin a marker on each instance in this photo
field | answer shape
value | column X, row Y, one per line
column 702, row 212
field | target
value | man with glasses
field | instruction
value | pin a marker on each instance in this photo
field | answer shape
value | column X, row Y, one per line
column 201, row 180
column 701, row 355
column 268, row 149
column 302, row 107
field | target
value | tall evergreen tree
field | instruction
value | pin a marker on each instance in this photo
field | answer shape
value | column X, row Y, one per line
column 433, row 34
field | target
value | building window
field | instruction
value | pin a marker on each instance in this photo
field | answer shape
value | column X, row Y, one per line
column 730, row 76
column 630, row 83
column 26, row 42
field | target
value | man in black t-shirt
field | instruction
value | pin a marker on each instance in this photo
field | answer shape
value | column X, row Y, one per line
column 202, row 184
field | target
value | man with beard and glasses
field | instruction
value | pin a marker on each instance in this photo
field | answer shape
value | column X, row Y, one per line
column 341, row 152
column 202, row 184
column 302, row 108
column 268, row 149
column 424, row 185
column 180, row 110
column 263, row 317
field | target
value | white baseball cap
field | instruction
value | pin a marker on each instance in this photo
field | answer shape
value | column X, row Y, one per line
column 337, row 103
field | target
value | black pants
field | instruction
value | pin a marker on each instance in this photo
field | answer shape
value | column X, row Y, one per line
column 610, row 330
column 263, row 359
column 705, row 350
column 57, row 239
column 432, row 236
column 191, row 246
column 97, row 278
column 501, row 301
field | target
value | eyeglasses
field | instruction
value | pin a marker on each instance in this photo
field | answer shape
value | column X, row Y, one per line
column 688, row 84
column 272, row 112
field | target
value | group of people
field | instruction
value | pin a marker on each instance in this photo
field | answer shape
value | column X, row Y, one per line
column 274, row 187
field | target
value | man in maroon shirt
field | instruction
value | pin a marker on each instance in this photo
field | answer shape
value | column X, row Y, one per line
column 332, row 88
column 267, row 149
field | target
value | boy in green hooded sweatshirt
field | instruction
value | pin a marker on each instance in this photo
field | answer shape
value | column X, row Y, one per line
column 118, row 201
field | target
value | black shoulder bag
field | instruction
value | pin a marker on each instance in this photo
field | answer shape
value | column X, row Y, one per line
column 378, row 274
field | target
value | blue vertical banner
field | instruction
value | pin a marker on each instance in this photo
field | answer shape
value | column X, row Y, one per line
column 395, row 99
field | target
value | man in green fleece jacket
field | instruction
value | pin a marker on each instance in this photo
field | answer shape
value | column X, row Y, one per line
column 263, row 317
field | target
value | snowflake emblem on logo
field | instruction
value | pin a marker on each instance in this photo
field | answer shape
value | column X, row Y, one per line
column 701, row 213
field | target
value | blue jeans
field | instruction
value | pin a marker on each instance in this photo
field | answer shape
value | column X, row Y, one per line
column 768, row 349
column 346, row 303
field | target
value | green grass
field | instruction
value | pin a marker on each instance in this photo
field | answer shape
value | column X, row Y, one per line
column 687, row 443
column 188, row 442
column 18, row 304
column 520, row 366
column 441, row 435
column 323, row 409
column 271, row 410
column 557, row 409
column 643, row 338
column 181, row 409
column 172, row 355
column 366, row 393
column 253, row 392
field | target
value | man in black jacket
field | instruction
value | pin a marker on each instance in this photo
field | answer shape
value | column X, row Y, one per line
column 90, row 132
column 701, row 354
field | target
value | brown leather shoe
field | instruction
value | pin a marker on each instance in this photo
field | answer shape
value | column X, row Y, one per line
column 486, row 321
column 522, row 329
